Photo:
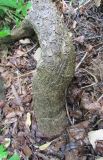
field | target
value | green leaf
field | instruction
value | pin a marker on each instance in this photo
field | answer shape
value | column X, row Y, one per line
column 13, row 12
column 1, row 12
column 28, row 5
column 15, row 157
column 8, row 3
column 3, row 152
column 25, row 8
column 4, row 32
column 3, row 9
column 17, row 21
column 2, row 149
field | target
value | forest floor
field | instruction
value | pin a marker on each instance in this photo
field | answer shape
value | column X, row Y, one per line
column 18, row 128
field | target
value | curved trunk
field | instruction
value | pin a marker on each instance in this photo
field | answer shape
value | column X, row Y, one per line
column 55, row 67
column 55, row 63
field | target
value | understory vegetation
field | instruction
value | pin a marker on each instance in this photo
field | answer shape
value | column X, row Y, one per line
column 12, row 12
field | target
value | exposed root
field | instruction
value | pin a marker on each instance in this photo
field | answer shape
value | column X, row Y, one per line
column 25, row 30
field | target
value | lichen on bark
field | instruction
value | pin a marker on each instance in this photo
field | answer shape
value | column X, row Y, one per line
column 55, row 64
column 55, row 69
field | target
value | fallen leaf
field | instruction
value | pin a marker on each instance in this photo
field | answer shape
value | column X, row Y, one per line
column 99, row 147
column 97, row 2
column 27, row 151
column 25, row 41
column 74, row 24
column 100, row 158
column 6, row 142
column 89, row 47
column 78, row 131
column 10, row 121
column 45, row 146
column 19, row 53
column 11, row 115
column 14, row 114
column 28, row 120
column 16, row 95
column 95, row 136
column 73, row 154
column 93, row 106
column 80, row 39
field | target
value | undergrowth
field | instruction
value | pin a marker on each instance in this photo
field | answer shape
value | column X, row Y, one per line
column 12, row 12
column 4, row 154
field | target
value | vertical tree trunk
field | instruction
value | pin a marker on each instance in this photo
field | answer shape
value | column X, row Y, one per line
column 55, row 67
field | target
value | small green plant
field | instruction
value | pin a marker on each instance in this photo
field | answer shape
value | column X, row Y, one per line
column 12, row 12
column 5, row 154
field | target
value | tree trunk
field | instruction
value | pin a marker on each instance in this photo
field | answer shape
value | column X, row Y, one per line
column 55, row 67
column 55, row 64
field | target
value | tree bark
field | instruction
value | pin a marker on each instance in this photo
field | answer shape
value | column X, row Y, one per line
column 55, row 67
column 55, row 64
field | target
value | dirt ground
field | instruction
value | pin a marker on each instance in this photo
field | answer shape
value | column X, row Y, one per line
column 84, row 99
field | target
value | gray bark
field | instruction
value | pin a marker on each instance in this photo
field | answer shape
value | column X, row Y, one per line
column 55, row 67
column 55, row 64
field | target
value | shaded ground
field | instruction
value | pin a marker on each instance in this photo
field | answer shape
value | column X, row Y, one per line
column 84, row 97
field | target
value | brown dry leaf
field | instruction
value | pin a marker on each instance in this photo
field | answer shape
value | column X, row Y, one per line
column 27, row 151
column 27, row 99
column 7, row 110
column 73, row 155
column 13, row 114
column 97, row 2
column 78, row 131
column 99, row 147
column 89, row 47
column 93, row 106
column 16, row 95
column 20, row 53
column 8, row 78
column 9, row 121
column 57, row 144
column 80, row 39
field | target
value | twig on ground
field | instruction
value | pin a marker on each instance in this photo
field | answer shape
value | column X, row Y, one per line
column 25, row 74
column 100, row 98
column 93, row 84
column 66, row 106
column 81, row 61
column 85, row 4
column 34, row 46
column 95, row 79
